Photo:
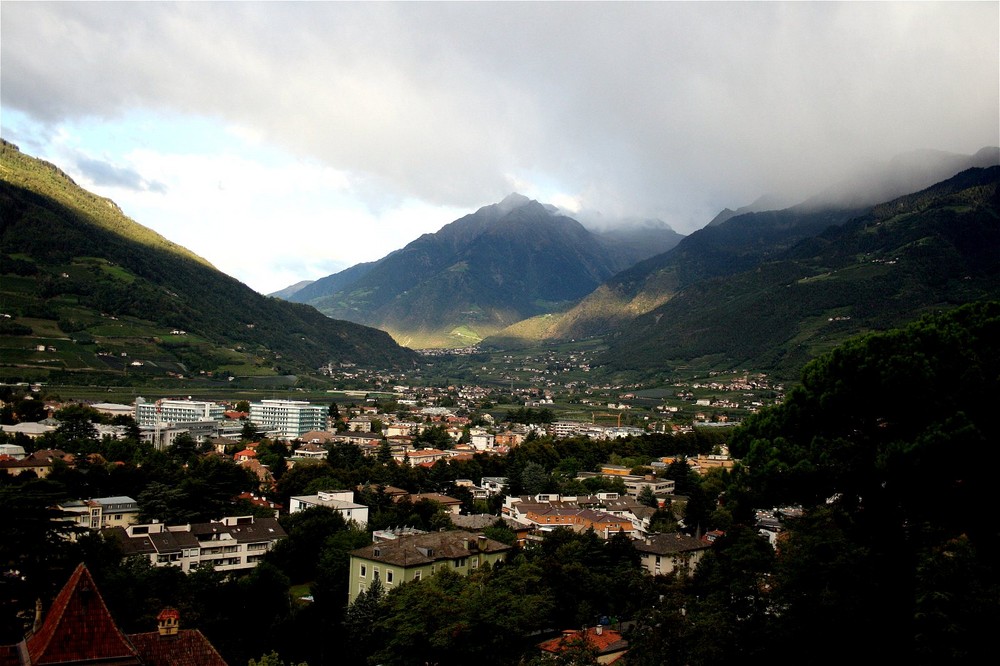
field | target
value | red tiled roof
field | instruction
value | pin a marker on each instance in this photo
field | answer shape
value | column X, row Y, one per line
column 608, row 641
column 78, row 627
column 188, row 647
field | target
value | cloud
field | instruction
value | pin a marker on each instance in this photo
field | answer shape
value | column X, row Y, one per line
column 660, row 109
column 103, row 173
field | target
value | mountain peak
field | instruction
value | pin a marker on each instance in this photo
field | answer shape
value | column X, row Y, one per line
column 512, row 201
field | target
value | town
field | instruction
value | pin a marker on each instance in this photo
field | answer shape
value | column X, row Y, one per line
column 406, row 521
column 453, row 477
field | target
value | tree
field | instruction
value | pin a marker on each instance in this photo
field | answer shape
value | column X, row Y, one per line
column 76, row 429
column 250, row 432
column 360, row 620
column 183, row 449
column 35, row 553
column 272, row 658
column 534, row 479
column 648, row 497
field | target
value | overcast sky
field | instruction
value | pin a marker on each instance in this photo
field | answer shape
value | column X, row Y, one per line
column 286, row 141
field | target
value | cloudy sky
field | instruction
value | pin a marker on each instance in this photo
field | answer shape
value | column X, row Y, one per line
column 286, row 141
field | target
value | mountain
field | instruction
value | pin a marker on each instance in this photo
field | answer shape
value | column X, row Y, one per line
column 505, row 262
column 928, row 251
column 291, row 289
column 734, row 242
column 86, row 289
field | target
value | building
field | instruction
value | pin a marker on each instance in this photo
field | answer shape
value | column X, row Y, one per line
column 162, row 436
column 547, row 518
column 39, row 462
column 662, row 554
column 102, row 512
column 607, row 643
column 150, row 414
column 634, row 483
column 448, row 504
column 289, row 418
column 114, row 409
column 234, row 543
column 420, row 457
column 28, row 429
column 13, row 451
column 78, row 630
column 494, row 485
column 409, row 558
column 341, row 501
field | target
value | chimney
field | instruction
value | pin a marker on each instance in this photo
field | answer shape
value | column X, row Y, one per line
column 38, row 616
column 168, row 622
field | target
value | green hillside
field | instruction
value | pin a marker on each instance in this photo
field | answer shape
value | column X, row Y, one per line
column 929, row 251
column 85, row 289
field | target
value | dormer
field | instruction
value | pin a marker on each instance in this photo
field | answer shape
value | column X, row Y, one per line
column 168, row 622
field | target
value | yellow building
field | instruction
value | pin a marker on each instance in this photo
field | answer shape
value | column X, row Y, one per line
column 409, row 558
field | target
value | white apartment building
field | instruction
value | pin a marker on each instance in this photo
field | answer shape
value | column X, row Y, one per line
column 289, row 418
column 149, row 414
column 232, row 544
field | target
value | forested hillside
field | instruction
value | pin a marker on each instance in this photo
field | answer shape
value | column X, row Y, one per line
column 928, row 251
column 89, row 284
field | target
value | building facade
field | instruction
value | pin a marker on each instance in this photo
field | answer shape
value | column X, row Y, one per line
column 662, row 554
column 289, row 418
column 341, row 501
column 233, row 543
column 102, row 512
column 409, row 558
column 149, row 414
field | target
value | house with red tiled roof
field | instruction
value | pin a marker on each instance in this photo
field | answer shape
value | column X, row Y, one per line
column 40, row 462
column 608, row 643
column 78, row 629
column 547, row 517
column 244, row 455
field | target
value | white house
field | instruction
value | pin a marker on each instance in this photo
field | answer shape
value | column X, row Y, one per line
column 341, row 501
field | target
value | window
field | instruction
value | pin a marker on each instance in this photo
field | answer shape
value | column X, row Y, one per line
column 460, row 562
column 416, row 575
column 364, row 571
column 388, row 576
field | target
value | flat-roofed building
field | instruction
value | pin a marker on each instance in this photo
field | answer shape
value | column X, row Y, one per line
column 341, row 501
column 149, row 414
column 289, row 418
